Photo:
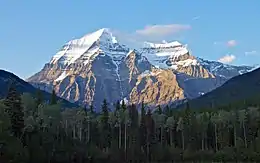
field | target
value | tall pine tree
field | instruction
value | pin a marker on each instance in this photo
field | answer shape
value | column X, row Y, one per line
column 142, row 129
column 14, row 109
column 123, row 105
column 105, row 125
column 150, row 133
column 53, row 98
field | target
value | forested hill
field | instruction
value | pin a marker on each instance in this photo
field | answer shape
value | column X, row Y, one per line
column 7, row 78
column 238, row 90
column 32, row 131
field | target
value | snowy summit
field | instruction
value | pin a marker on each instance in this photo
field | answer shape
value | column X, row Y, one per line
column 83, row 48
column 165, row 55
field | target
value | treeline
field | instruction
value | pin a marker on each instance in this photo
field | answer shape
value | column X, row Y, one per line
column 34, row 131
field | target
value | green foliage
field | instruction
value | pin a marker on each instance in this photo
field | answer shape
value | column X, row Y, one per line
column 4, row 118
column 29, row 105
column 39, row 97
column 53, row 134
column 14, row 109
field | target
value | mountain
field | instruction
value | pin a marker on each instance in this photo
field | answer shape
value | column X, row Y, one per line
column 96, row 67
column 245, row 87
column 6, row 78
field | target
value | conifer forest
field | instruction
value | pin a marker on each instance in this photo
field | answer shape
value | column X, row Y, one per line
column 35, row 131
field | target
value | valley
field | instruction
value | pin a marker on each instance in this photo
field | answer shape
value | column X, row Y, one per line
column 129, row 81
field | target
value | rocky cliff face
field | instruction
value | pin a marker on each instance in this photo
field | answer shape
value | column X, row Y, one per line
column 97, row 67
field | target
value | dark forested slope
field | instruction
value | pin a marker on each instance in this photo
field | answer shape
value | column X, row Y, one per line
column 7, row 78
column 240, row 89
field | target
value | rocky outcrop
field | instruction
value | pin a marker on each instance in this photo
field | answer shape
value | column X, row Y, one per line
column 156, row 87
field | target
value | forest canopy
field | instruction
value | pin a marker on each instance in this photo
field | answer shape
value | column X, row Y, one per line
column 32, row 130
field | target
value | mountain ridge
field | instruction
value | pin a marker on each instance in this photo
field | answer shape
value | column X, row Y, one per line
column 97, row 67
column 239, row 89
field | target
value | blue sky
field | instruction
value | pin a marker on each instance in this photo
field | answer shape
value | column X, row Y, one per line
column 31, row 31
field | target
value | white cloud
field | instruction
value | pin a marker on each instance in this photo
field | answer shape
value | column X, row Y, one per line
column 232, row 43
column 162, row 30
column 227, row 58
column 253, row 52
column 154, row 33
column 128, row 38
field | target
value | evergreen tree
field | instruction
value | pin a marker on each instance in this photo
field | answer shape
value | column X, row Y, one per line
column 134, row 143
column 159, row 109
column 123, row 105
column 118, row 106
column 4, row 119
column 188, row 125
column 229, row 134
column 14, row 109
column 105, row 109
column 105, row 125
column 150, row 133
column 91, row 109
column 53, row 98
column 167, row 111
column 142, row 129
column 39, row 97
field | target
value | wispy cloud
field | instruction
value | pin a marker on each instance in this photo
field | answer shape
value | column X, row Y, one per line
column 162, row 30
column 152, row 33
column 253, row 52
column 196, row 18
column 231, row 43
column 227, row 58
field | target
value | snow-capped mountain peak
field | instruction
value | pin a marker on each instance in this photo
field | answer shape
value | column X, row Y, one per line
column 168, row 55
column 103, row 35
column 84, row 48
column 97, row 67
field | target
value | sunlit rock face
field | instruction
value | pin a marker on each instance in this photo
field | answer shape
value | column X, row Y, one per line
column 97, row 67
